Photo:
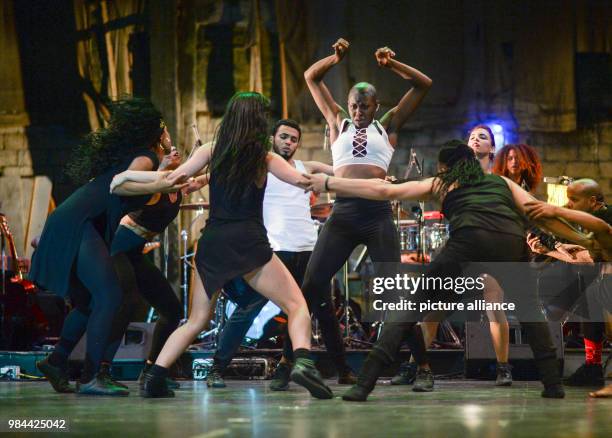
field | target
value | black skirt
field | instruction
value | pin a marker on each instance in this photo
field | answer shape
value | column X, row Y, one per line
column 230, row 249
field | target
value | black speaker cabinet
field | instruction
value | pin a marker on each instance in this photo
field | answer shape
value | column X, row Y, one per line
column 135, row 343
column 478, row 344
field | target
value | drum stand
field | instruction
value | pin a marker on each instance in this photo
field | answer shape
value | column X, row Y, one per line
column 350, row 320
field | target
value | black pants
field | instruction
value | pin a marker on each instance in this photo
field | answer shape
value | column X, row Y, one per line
column 250, row 303
column 353, row 221
column 138, row 275
column 466, row 245
column 96, row 294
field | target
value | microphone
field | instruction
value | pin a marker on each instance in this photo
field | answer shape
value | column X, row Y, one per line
column 415, row 161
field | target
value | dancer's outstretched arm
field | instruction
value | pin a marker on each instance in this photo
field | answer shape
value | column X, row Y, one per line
column 603, row 231
column 554, row 225
column 133, row 182
column 376, row 189
column 279, row 167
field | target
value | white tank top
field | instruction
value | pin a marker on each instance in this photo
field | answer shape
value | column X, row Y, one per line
column 362, row 146
column 286, row 214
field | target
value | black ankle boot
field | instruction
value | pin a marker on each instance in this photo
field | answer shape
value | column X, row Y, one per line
column 305, row 373
column 155, row 386
column 366, row 381
column 550, row 374
column 553, row 391
column 57, row 376
column 105, row 374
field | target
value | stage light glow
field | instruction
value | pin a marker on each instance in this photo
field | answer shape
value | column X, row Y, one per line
column 498, row 133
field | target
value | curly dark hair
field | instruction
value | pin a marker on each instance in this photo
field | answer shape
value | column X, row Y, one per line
column 461, row 164
column 242, row 142
column 134, row 127
column 529, row 164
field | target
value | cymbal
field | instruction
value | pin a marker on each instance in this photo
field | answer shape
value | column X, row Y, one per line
column 321, row 211
column 196, row 206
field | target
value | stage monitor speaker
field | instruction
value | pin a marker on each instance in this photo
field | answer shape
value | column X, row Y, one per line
column 135, row 344
column 478, row 343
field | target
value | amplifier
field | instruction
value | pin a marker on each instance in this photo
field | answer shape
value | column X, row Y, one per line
column 478, row 344
column 135, row 344
column 241, row 368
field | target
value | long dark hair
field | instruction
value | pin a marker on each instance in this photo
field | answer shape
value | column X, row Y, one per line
column 461, row 166
column 134, row 127
column 241, row 143
column 529, row 164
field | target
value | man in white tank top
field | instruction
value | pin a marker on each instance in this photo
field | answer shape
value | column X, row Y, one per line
column 292, row 236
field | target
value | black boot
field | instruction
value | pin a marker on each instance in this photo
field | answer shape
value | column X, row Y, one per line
column 105, row 374
column 504, row 374
column 406, row 374
column 424, row 381
column 551, row 377
column 553, row 391
column 57, row 376
column 305, row 373
column 587, row 375
column 366, row 381
column 215, row 378
column 170, row 382
column 281, row 377
column 154, row 383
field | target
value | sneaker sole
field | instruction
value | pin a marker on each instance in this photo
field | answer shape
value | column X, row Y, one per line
column 316, row 387
column 106, row 394
column 145, row 394
column 421, row 389
column 280, row 388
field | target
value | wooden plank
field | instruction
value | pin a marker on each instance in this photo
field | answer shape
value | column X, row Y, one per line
column 38, row 211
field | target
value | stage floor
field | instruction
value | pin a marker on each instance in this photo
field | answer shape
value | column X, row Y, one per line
column 247, row 408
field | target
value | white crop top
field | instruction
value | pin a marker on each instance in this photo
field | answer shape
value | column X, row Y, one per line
column 362, row 146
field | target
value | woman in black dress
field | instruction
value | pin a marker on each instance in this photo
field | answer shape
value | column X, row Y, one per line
column 234, row 242
column 72, row 257
column 485, row 215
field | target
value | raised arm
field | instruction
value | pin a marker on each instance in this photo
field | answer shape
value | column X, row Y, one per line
column 395, row 118
column 332, row 112
column 552, row 224
column 279, row 167
column 376, row 189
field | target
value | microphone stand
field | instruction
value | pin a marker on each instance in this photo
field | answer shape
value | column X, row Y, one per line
column 414, row 164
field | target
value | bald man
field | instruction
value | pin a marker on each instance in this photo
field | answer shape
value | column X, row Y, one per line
column 586, row 195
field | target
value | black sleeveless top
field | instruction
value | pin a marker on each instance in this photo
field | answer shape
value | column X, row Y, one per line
column 61, row 237
column 488, row 205
column 246, row 205
column 157, row 217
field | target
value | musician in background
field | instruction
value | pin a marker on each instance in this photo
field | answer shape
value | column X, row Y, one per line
column 583, row 195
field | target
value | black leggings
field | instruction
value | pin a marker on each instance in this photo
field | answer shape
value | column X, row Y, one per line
column 473, row 244
column 138, row 275
column 96, row 294
column 353, row 221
